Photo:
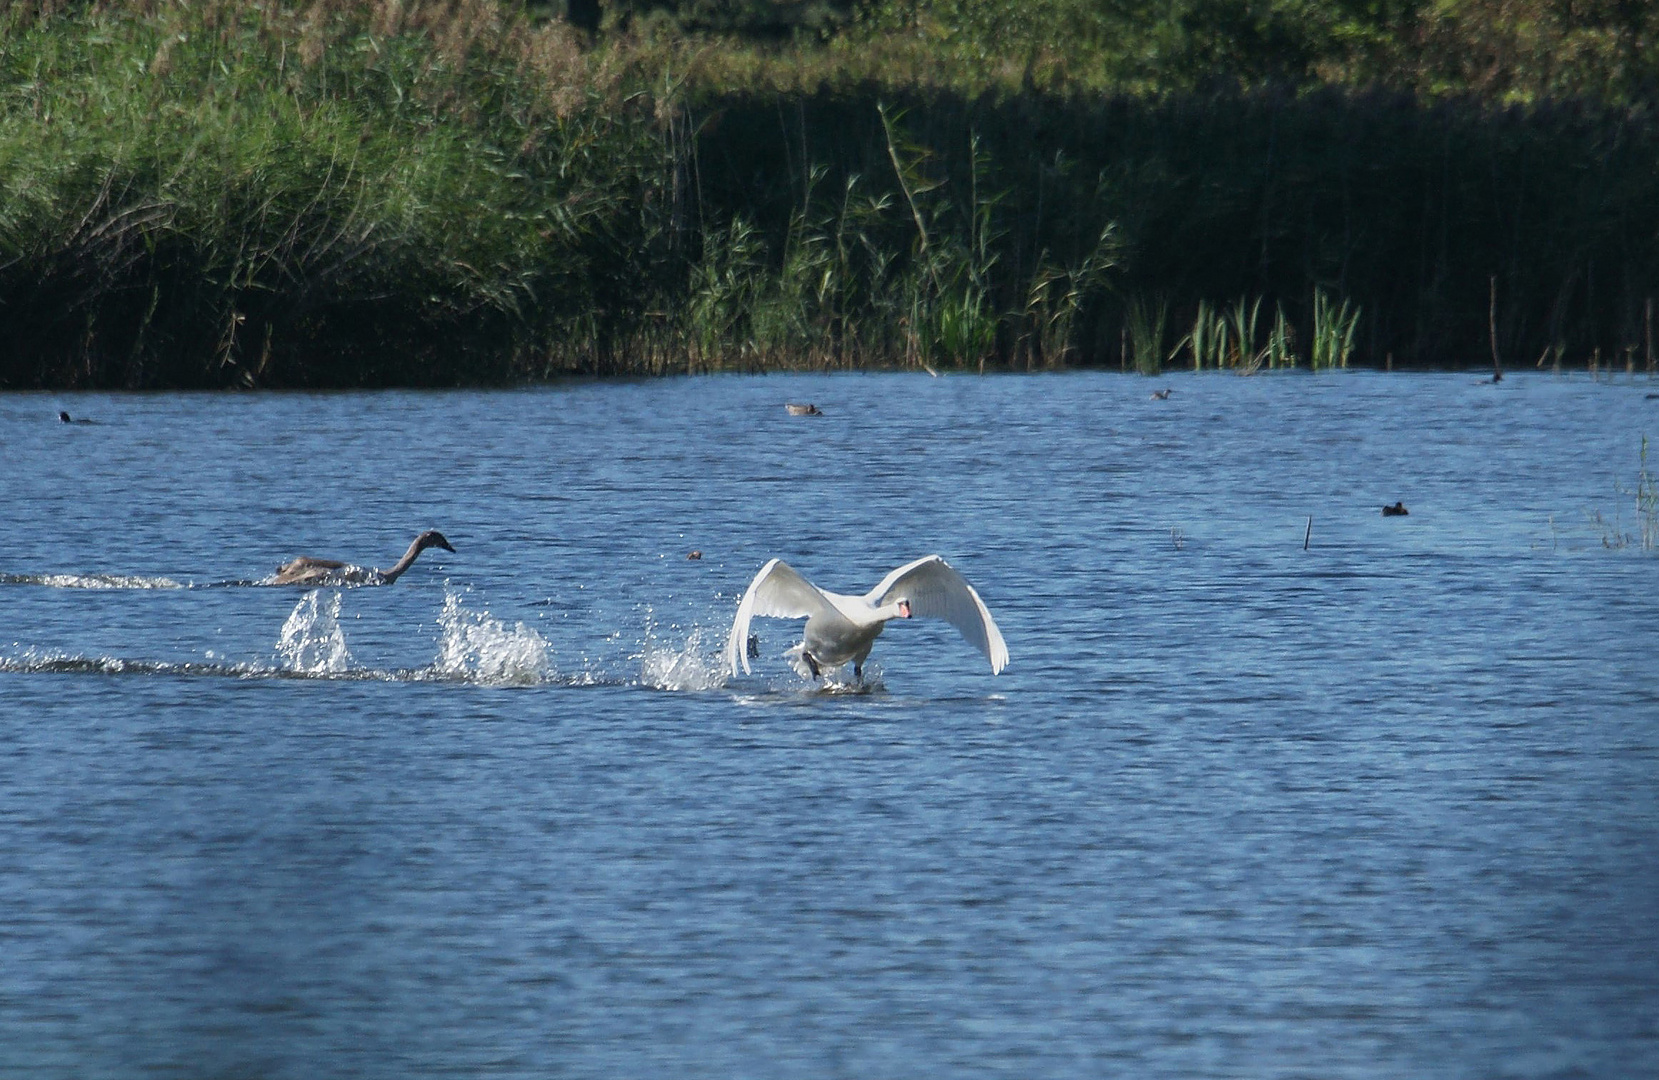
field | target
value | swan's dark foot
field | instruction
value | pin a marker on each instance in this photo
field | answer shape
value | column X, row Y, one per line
column 858, row 672
column 812, row 665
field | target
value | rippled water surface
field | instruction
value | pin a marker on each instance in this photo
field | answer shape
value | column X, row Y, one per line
column 1378, row 797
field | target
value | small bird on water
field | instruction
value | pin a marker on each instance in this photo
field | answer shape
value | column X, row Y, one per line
column 308, row 571
column 1397, row 510
column 1162, row 395
column 807, row 409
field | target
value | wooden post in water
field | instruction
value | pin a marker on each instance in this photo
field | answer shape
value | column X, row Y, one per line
column 1492, row 328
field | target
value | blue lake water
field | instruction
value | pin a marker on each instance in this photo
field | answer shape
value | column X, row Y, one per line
column 1384, row 806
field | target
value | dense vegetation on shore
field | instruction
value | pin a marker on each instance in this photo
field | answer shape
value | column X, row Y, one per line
column 374, row 192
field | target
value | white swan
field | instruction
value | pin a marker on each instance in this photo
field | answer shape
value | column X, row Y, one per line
column 308, row 571
column 842, row 628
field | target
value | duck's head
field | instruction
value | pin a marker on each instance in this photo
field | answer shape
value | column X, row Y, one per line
column 432, row 538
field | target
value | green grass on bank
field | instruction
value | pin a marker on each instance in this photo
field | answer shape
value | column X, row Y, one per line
column 374, row 193
column 1504, row 51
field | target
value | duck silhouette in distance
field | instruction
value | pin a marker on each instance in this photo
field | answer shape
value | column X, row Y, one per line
column 308, row 571
column 841, row 629
column 65, row 418
column 1397, row 510
column 806, row 409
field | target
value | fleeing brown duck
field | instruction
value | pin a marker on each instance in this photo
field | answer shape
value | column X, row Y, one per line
column 308, row 571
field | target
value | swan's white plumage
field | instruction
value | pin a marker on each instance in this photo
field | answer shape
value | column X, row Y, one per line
column 936, row 591
column 841, row 628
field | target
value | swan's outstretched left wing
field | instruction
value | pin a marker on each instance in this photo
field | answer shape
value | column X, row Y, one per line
column 936, row 591
column 777, row 591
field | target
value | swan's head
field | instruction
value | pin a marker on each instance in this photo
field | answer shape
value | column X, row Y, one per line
column 432, row 538
column 904, row 609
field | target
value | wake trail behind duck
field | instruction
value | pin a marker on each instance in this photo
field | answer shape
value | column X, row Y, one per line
column 91, row 581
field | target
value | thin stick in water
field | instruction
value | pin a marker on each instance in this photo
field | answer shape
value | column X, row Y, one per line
column 1650, row 337
column 1307, row 536
column 1492, row 328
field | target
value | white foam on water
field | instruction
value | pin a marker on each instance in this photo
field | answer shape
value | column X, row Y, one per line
column 91, row 581
column 692, row 664
column 312, row 642
column 38, row 662
column 479, row 648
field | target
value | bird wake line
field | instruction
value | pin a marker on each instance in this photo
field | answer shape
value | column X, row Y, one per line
column 840, row 629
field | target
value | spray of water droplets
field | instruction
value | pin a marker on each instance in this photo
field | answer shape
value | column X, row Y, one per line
column 312, row 642
column 479, row 648
column 696, row 664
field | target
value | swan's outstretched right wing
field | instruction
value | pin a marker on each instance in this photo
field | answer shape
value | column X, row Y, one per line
column 779, row 592
column 936, row 591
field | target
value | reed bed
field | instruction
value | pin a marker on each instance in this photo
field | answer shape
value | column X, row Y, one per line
column 356, row 193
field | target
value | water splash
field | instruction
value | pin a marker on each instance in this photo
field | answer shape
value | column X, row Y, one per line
column 312, row 641
column 841, row 682
column 90, row 581
column 694, row 665
column 479, row 648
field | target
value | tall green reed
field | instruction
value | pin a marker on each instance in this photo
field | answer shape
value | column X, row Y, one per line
column 1147, row 320
column 1241, row 319
column 1332, row 340
column 1207, row 343
column 1280, row 351
column 1056, row 299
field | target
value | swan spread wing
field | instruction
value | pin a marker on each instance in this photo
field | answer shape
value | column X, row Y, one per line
column 936, row 591
column 780, row 593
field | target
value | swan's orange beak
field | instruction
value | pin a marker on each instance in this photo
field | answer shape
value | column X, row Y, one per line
column 904, row 609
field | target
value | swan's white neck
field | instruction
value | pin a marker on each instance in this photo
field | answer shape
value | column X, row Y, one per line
column 899, row 609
